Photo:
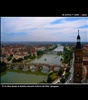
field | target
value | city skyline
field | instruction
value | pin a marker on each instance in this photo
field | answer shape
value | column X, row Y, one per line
column 44, row 29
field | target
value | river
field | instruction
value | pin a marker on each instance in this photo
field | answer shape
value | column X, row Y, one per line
column 19, row 76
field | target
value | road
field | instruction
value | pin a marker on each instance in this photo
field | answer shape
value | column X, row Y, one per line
column 71, row 75
column 57, row 80
column 71, row 71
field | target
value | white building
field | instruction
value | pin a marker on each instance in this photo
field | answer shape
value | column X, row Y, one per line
column 40, row 48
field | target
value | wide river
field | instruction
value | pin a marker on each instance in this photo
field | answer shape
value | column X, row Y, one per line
column 19, row 76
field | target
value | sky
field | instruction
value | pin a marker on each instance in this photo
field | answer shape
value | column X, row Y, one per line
column 44, row 29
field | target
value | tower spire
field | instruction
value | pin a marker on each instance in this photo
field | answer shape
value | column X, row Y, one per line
column 78, row 44
column 78, row 37
column 77, row 75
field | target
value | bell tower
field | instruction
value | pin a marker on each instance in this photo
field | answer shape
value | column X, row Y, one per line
column 78, row 56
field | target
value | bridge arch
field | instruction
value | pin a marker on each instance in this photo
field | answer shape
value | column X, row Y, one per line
column 32, row 67
column 56, row 68
column 36, row 66
column 45, row 69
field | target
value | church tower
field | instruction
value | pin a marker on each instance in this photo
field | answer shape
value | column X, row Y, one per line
column 78, row 56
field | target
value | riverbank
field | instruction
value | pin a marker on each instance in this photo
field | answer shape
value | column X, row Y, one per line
column 18, row 76
column 15, row 76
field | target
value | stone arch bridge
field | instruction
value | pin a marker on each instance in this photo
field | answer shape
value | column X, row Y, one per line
column 38, row 66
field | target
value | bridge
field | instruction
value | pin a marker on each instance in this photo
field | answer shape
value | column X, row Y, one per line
column 38, row 66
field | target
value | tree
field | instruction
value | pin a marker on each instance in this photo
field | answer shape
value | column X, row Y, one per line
column 40, row 53
column 20, row 59
column 43, row 81
column 62, row 80
column 50, row 73
column 34, row 55
column 49, row 80
column 52, row 76
column 3, row 66
column 14, row 60
column 68, row 55
column 68, row 68
column 3, row 63
column 9, row 58
column 61, row 59
column 67, row 74
column 60, row 72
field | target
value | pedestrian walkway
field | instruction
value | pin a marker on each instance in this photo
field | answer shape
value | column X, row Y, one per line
column 57, row 80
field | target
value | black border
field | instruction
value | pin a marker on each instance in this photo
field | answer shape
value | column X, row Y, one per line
column 62, row 89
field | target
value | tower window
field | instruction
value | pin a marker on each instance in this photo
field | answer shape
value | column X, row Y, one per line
column 77, row 74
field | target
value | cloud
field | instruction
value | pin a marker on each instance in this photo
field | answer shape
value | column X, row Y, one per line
column 43, row 28
column 10, row 24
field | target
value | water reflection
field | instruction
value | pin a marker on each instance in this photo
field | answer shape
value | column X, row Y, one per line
column 15, row 67
column 56, row 69
column 27, row 77
column 32, row 68
column 45, row 69
column 48, row 58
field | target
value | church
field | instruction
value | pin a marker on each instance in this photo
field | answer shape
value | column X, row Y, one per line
column 80, row 74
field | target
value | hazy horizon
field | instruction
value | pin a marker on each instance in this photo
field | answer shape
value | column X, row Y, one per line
column 62, row 29
column 44, row 41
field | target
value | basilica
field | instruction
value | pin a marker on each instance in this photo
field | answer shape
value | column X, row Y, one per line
column 80, row 74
